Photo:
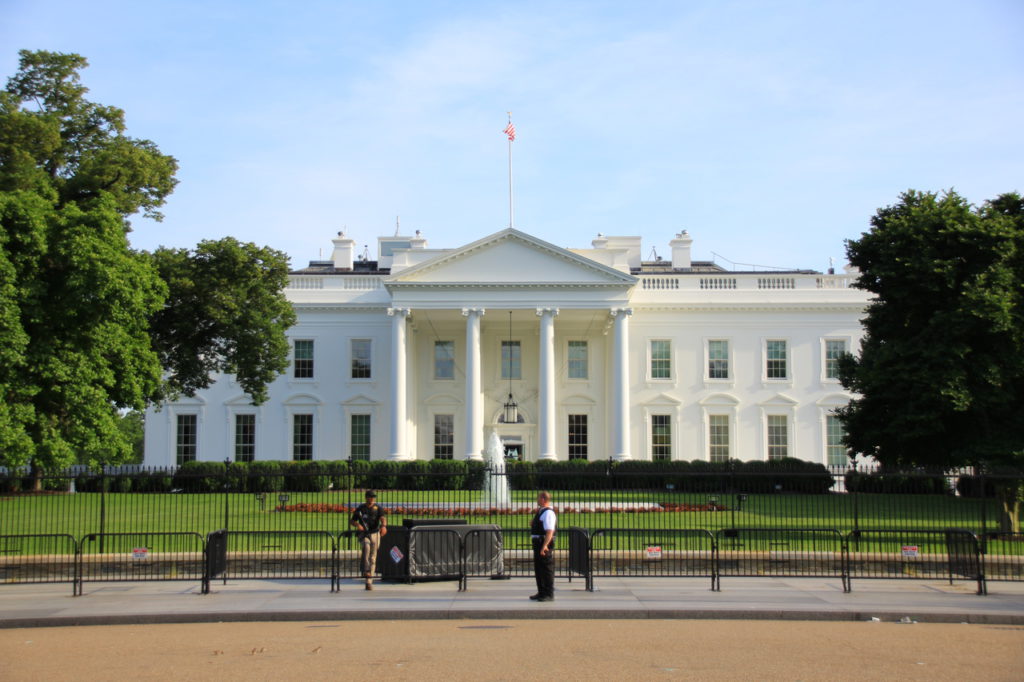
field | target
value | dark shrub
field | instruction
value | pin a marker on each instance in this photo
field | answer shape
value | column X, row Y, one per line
column 897, row 483
column 446, row 474
column 360, row 470
column 337, row 470
column 264, row 477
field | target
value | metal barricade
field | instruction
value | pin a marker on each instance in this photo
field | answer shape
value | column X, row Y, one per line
column 435, row 552
column 216, row 557
column 917, row 554
column 141, row 557
column 638, row 552
column 579, row 556
column 483, row 555
column 287, row 554
column 39, row 558
column 1003, row 556
column 782, row 552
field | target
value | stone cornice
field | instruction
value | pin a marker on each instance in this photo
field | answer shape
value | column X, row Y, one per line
column 752, row 307
column 507, row 285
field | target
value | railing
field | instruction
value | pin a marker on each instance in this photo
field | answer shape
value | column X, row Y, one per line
column 343, row 282
column 743, row 282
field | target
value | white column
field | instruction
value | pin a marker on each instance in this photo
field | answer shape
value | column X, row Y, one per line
column 546, row 418
column 398, row 382
column 474, row 397
column 620, row 385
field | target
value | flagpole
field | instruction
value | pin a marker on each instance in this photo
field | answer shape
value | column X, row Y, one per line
column 511, row 214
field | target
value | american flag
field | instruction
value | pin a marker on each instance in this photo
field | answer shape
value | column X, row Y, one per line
column 510, row 130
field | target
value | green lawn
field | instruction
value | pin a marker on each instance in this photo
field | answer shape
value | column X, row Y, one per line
column 77, row 514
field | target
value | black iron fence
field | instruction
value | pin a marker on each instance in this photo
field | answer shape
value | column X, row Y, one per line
column 639, row 520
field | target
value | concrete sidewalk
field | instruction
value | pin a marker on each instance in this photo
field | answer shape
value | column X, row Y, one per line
column 633, row 598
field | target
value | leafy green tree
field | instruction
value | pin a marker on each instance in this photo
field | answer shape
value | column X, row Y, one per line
column 88, row 326
column 941, row 370
column 225, row 313
column 56, row 142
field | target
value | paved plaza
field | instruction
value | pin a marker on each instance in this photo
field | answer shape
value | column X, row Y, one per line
column 624, row 598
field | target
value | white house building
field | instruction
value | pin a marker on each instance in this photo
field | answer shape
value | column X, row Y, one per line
column 564, row 353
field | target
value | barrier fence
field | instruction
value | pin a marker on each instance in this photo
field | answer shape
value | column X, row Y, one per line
column 141, row 524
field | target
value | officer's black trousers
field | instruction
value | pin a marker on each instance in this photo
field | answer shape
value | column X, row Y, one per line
column 544, row 569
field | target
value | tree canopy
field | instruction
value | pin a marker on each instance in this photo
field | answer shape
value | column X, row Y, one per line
column 940, row 376
column 89, row 327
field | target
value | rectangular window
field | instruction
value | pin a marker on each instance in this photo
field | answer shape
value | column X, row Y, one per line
column 187, row 438
column 718, row 437
column 718, row 359
column 661, row 359
column 360, row 436
column 361, row 360
column 834, row 349
column 834, row 448
column 577, row 436
column 775, row 359
column 302, row 437
column 661, row 437
column 578, row 360
column 444, row 359
column 303, row 358
column 511, row 362
column 444, row 436
column 778, row 436
column 245, row 437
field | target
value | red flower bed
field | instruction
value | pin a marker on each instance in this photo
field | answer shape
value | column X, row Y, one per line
column 323, row 508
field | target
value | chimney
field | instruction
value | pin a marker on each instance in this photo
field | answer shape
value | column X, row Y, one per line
column 681, row 250
column 344, row 251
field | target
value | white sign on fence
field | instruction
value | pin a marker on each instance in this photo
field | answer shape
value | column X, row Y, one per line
column 140, row 552
column 910, row 551
column 654, row 551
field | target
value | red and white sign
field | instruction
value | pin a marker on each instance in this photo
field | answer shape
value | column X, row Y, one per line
column 396, row 555
column 140, row 552
column 910, row 551
column 654, row 551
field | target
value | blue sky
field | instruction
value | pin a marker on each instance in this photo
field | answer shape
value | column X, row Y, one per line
column 770, row 130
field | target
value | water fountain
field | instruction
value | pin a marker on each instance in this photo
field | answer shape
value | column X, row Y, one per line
column 496, row 489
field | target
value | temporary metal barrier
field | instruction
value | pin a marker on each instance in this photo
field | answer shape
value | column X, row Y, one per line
column 915, row 554
column 216, row 557
column 483, row 555
column 658, row 552
column 39, row 558
column 141, row 557
column 782, row 552
column 298, row 554
column 579, row 556
column 1003, row 554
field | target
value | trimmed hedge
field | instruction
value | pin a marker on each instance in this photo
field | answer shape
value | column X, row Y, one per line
column 897, row 483
column 777, row 476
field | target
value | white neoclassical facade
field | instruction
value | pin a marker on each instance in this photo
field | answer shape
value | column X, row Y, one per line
column 416, row 355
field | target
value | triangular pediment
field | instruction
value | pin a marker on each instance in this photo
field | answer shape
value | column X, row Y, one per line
column 511, row 258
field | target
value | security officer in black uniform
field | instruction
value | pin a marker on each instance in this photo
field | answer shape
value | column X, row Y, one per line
column 542, row 535
column 371, row 523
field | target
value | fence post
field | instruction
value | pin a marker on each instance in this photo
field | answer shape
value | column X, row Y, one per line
column 983, row 501
column 227, row 486
column 103, row 504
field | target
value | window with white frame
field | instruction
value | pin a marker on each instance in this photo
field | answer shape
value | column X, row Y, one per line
column 577, row 436
column 661, row 437
column 511, row 360
column 718, row 359
column 718, row 437
column 835, row 451
column 834, row 349
column 302, row 437
column 359, row 436
column 444, row 359
column 661, row 359
column 245, row 437
column 303, row 361
column 444, row 436
column 776, row 364
column 187, row 438
column 777, row 426
column 578, row 360
column 362, row 358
